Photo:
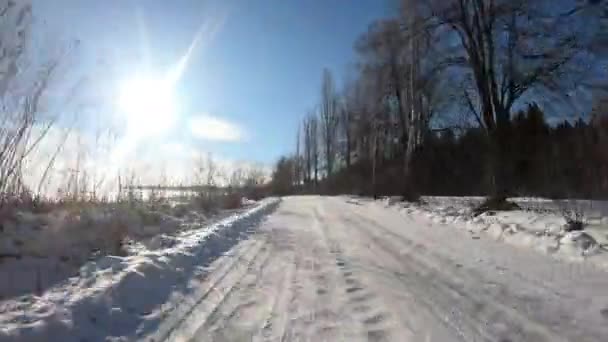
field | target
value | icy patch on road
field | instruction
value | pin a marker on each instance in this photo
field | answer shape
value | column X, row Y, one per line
column 122, row 298
column 539, row 226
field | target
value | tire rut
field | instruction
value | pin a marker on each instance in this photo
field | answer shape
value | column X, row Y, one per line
column 182, row 328
column 362, row 302
column 217, row 320
column 276, row 321
column 274, row 324
column 190, row 326
column 518, row 306
column 489, row 315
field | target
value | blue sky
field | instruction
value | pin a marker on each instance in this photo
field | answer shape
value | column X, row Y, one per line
column 256, row 68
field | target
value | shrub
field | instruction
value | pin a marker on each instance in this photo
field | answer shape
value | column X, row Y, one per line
column 232, row 201
column 206, row 201
column 117, row 235
column 498, row 203
column 575, row 219
column 573, row 212
column 411, row 196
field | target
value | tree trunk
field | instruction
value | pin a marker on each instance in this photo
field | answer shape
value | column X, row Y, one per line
column 413, row 122
column 500, row 158
column 374, row 161
column 328, row 157
column 348, row 148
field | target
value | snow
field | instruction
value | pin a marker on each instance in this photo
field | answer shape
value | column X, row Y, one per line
column 333, row 269
column 540, row 225
column 110, row 297
column 246, row 201
column 347, row 269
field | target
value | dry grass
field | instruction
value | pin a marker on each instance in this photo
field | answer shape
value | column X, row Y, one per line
column 232, row 201
column 209, row 202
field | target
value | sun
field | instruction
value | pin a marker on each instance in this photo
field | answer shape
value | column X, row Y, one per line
column 147, row 105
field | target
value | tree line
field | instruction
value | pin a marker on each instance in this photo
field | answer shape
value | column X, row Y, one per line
column 460, row 97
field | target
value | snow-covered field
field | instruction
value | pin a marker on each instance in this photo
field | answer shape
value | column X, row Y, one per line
column 336, row 269
column 539, row 225
column 50, row 293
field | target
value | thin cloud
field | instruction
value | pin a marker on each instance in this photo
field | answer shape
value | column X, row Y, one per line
column 204, row 36
column 217, row 129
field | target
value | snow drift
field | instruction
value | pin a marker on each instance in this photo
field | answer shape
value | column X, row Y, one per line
column 125, row 297
column 538, row 226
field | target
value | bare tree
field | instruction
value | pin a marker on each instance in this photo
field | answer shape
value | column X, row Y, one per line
column 381, row 49
column 21, row 128
column 298, row 171
column 311, row 148
column 211, row 170
column 346, row 129
column 509, row 48
column 415, row 97
column 314, row 146
column 329, row 120
column 362, row 102
column 420, row 68
column 206, row 170
column 254, row 175
column 282, row 176
column 398, row 56
column 307, row 167
column 237, row 177
column 14, row 28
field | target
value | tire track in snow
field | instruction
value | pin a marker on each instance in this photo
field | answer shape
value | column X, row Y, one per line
column 465, row 330
column 251, row 311
column 185, row 328
column 520, row 304
column 173, row 328
column 313, row 309
column 372, row 316
column 214, row 327
column 331, row 273
column 484, row 316
column 302, row 309
column 275, row 323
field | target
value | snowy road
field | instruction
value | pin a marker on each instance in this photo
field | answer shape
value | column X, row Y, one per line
column 323, row 269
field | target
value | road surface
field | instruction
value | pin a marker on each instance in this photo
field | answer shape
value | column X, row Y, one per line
column 324, row 269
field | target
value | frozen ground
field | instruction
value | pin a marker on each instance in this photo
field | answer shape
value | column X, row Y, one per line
column 325, row 269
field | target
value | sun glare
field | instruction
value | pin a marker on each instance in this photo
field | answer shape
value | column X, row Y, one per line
column 147, row 105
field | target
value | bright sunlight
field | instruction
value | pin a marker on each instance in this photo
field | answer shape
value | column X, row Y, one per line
column 148, row 105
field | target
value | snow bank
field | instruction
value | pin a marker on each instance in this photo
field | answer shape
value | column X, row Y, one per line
column 39, row 249
column 247, row 202
column 74, row 233
column 124, row 297
column 539, row 226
